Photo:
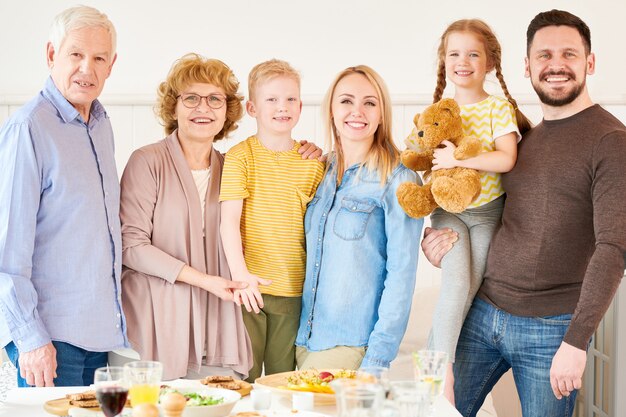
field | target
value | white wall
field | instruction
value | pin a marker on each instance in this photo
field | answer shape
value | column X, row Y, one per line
column 397, row 38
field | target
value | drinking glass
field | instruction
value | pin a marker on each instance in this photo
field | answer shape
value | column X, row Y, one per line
column 261, row 398
column 111, row 389
column 409, row 399
column 339, row 386
column 430, row 373
column 144, row 378
column 374, row 375
column 360, row 400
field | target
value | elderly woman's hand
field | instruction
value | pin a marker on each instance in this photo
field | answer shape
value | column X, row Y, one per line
column 309, row 150
column 437, row 243
column 223, row 288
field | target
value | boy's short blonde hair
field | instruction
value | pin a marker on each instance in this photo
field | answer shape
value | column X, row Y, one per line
column 267, row 70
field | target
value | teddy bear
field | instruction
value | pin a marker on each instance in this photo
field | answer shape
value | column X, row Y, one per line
column 451, row 189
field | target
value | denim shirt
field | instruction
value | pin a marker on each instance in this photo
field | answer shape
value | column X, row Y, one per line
column 361, row 263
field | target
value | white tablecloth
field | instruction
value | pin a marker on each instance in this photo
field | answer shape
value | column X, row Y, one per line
column 28, row 402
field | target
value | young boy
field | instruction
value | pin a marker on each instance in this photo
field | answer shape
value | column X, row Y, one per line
column 266, row 186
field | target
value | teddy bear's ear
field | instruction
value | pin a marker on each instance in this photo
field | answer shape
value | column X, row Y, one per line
column 449, row 104
column 416, row 119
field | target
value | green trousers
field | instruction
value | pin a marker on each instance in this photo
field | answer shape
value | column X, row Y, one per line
column 273, row 335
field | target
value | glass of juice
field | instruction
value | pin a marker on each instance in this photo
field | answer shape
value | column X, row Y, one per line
column 111, row 389
column 144, row 378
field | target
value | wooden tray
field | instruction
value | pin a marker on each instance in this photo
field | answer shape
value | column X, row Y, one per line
column 245, row 389
column 61, row 407
column 273, row 382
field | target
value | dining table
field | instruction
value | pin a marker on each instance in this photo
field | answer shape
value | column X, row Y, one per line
column 28, row 402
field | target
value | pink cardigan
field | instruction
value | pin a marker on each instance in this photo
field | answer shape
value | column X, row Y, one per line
column 169, row 321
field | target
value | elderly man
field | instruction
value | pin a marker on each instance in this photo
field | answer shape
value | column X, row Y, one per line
column 60, row 248
column 557, row 258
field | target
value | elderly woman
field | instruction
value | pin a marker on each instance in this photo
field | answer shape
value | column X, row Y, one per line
column 175, row 281
column 176, row 288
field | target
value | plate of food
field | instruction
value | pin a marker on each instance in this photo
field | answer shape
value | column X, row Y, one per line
column 204, row 401
column 223, row 382
column 310, row 380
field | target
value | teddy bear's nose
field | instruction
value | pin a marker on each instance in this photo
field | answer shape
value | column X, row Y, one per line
column 420, row 133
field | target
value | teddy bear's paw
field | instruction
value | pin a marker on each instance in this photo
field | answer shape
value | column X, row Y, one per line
column 417, row 161
column 452, row 195
column 417, row 201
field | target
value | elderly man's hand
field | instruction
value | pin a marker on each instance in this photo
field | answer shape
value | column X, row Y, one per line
column 38, row 367
column 566, row 373
column 437, row 243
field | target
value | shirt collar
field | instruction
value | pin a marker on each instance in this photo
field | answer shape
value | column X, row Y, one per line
column 65, row 108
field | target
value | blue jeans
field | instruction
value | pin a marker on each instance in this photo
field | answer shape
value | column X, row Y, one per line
column 493, row 341
column 75, row 366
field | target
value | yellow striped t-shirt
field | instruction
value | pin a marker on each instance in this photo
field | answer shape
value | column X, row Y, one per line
column 275, row 188
column 487, row 120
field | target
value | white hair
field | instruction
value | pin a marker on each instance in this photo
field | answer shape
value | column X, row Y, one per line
column 76, row 18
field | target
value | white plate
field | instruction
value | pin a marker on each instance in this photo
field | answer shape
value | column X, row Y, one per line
column 217, row 410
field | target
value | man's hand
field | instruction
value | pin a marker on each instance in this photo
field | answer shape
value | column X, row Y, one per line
column 437, row 243
column 566, row 373
column 38, row 367
column 309, row 150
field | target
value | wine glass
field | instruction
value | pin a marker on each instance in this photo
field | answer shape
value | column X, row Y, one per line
column 430, row 373
column 111, row 389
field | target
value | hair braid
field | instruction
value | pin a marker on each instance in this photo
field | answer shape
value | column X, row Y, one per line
column 441, row 81
column 523, row 124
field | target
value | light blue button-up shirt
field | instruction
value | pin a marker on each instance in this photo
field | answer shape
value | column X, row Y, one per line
column 361, row 263
column 60, row 239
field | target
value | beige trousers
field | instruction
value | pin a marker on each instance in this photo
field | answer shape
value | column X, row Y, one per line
column 339, row 357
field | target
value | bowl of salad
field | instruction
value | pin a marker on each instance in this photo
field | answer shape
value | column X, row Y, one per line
column 205, row 401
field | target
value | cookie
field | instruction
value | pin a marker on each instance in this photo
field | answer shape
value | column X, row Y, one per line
column 217, row 378
column 87, row 395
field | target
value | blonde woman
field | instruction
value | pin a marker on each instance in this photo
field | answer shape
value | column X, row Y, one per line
column 361, row 246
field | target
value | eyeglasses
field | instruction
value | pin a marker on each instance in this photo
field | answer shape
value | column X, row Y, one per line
column 191, row 100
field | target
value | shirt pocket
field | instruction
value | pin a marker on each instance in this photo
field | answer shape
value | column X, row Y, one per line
column 352, row 218
column 309, row 213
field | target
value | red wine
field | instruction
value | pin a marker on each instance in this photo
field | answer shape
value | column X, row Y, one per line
column 111, row 399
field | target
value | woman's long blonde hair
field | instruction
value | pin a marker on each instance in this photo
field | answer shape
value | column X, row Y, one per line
column 383, row 156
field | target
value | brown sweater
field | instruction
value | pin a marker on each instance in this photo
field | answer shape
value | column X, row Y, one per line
column 560, row 248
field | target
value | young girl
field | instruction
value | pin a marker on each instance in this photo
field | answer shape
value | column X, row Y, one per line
column 361, row 246
column 468, row 51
